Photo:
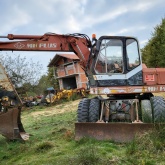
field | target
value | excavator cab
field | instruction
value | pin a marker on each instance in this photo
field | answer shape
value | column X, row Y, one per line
column 113, row 58
column 117, row 62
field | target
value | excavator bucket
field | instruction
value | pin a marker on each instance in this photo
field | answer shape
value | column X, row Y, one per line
column 10, row 110
column 11, row 126
column 118, row 132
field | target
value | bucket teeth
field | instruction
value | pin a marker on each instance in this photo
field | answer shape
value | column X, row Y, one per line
column 24, row 135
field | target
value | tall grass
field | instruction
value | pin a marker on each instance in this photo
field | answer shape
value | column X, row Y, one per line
column 52, row 143
column 86, row 156
column 148, row 148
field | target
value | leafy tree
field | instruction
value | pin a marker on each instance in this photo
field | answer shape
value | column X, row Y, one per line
column 153, row 54
column 46, row 81
column 20, row 70
column 51, row 77
column 42, row 85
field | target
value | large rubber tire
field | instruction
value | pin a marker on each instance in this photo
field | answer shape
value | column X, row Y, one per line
column 83, row 110
column 158, row 105
column 146, row 111
column 94, row 110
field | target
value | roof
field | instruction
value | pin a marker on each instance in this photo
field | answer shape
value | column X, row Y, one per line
column 58, row 56
column 70, row 56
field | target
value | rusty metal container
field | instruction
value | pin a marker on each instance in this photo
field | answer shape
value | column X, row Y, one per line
column 160, row 75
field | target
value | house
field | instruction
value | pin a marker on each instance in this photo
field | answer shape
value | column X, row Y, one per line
column 68, row 71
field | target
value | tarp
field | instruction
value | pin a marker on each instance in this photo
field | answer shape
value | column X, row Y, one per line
column 50, row 89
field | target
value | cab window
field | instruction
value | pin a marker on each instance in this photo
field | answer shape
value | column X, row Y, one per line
column 133, row 59
column 110, row 57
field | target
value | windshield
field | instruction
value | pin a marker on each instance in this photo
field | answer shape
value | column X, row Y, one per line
column 110, row 56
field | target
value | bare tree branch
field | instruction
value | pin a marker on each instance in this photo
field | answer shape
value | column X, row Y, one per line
column 21, row 70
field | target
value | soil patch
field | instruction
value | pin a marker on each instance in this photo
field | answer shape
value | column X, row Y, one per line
column 56, row 109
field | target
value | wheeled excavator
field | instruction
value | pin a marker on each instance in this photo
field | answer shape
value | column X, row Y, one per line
column 123, row 87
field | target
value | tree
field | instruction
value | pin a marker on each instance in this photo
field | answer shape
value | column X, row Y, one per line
column 20, row 70
column 42, row 85
column 46, row 81
column 153, row 54
column 51, row 78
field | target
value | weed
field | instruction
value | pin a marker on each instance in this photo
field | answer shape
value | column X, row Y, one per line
column 152, row 141
column 68, row 135
column 86, row 140
column 44, row 146
column 144, row 146
column 75, row 96
column 61, row 130
column 86, row 156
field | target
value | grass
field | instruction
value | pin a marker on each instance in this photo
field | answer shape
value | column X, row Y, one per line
column 52, row 143
column 148, row 148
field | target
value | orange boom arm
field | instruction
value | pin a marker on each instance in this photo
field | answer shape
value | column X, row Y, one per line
column 77, row 43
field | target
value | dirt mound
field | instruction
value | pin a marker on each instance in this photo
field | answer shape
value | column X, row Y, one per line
column 56, row 109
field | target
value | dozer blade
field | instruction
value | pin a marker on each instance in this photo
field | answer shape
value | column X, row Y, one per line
column 11, row 126
column 118, row 132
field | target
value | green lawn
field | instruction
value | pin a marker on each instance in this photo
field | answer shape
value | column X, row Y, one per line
column 52, row 142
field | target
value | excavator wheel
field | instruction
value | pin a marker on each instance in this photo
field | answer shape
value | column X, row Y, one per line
column 94, row 109
column 146, row 111
column 158, row 105
column 83, row 110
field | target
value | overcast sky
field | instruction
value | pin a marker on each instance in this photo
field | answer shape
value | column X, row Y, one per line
column 103, row 17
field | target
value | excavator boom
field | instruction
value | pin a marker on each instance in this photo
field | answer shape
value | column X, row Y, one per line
column 79, row 44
